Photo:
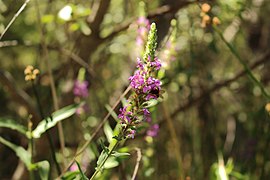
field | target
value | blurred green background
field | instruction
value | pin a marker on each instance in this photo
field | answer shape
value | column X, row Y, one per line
column 212, row 117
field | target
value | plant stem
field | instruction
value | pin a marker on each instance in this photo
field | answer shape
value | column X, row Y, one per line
column 246, row 67
column 14, row 17
column 175, row 141
column 103, row 162
column 30, row 146
column 49, row 137
column 51, row 80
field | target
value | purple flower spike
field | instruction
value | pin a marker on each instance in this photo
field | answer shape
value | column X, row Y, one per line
column 124, row 115
column 131, row 134
column 153, row 130
column 143, row 20
column 80, row 89
column 156, row 64
column 143, row 28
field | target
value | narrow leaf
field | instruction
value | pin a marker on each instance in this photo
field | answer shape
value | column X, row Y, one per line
column 11, row 124
column 112, row 112
column 111, row 163
column 102, row 157
column 57, row 116
column 43, row 169
column 83, row 176
column 70, row 175
column 118, row 154
column 108, row 131
column 20, row 152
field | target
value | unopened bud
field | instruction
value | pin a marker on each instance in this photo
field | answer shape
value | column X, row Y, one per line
column 205, row 7
column 216, row 21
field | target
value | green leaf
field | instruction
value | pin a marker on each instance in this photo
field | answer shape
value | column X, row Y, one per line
column 43, row 169
column 108, row 131
column 48, row 18
column 11, row 124
column 112, row 112
column 20, row 152
column 56, row 117
column 83, row 176
column 111, row 163
column 70, row 175
column 105, row 148
column 102, row 157
column 119, row 154
column 150, row 103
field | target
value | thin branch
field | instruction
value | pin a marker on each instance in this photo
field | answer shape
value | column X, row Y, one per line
column 175, row 140
column 99, row 15
column 51, row 78
column 244, row 64
column 139, row 157
column 152, row 15
column 17, row 94
column 79, row 60
column 263, row 59
column 85, row 145
column 14, row 18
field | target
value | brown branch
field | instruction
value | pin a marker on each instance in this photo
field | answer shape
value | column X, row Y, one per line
column 152, row 15
column 14, row 18
column 263, row 59
column 175, row 140
column 139, row 157
column 99, row 16
column 18, row 95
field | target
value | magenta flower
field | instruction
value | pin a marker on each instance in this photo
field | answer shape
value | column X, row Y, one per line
column 146, row 114
column 145, row 87
column 74, row 167
column 143, row 28
column 125, row 115
column 80, row 89
column 131, row 134
column 142, row 83
column 153, row 130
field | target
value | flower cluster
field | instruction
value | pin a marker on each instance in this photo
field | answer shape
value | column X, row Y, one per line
column 80, row 89
column 145, row 87
column 206, row 19
column 30, row 73
column 143, row 28
column 170, row 51
column 153, row 130
column 143, row 83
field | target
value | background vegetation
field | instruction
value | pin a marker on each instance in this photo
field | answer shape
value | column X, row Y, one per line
column 212, row 118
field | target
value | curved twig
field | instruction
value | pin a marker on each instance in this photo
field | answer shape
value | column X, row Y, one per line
column 14, row 18
column 139, row 157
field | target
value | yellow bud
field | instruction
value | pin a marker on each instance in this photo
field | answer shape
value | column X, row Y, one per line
column 267, row 107
column 36, row 72
column 33, row 77
column 30, row 67
column 27, row 70
column 205, row 7
column 206, row 18
column 216, row 21
column 27, row 78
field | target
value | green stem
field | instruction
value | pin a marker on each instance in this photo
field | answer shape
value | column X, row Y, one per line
column 30, row 147
column 103, row 162
column 49, row 137
column 247, row 69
